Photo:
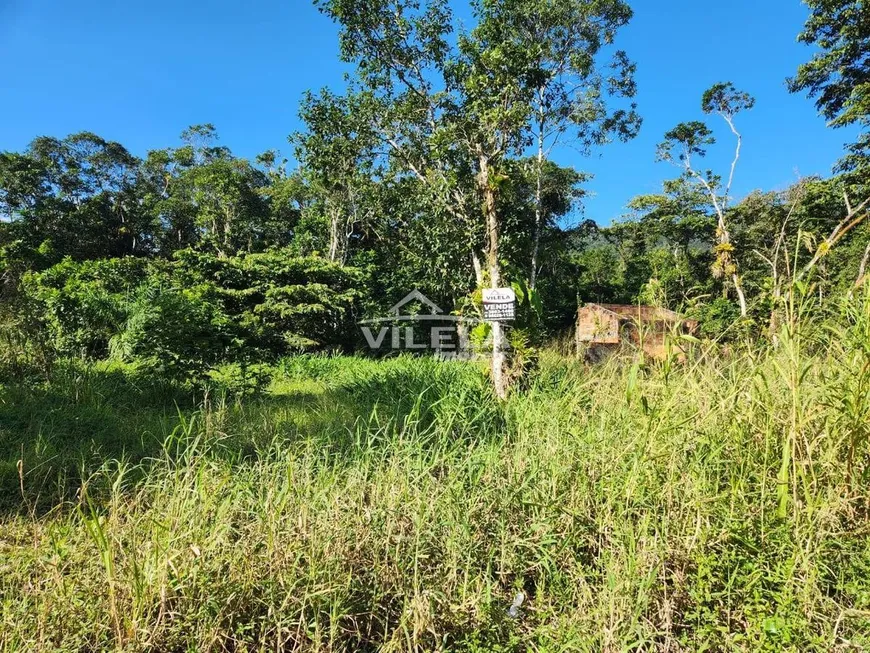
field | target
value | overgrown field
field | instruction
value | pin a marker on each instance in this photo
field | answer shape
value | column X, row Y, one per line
column 394, row 505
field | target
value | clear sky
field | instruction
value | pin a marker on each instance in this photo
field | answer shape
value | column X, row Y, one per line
column 140, row 72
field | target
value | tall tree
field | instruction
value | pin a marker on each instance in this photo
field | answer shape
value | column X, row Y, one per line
column 336, row 152
column 453, row 113
column 838, row 75
column 570, row 93
column 76, row 196
column 676, row 227
column 692, row 139
column 205, row 196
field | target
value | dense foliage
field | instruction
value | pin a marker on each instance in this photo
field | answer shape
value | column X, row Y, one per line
column 87, row 263
column 183, row 316
column 432, row 172
column 837, row 76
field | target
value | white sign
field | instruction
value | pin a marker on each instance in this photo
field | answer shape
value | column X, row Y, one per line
column 499, row 296
column 499, row 304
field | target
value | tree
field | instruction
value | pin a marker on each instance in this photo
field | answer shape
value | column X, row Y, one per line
column 692, row 139
column 675, row 228
column 452, row 115
column 285, row 195
column 205, row 196
column 570, row 95
column 336, row 152
column 531, row 203
column 76, row 196
column 838, row 75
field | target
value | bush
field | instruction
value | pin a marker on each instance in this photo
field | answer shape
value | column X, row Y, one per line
column 286, row 304
column 241, row 379
column 181, row 317
column 715, row 318
column 174, row 333
column 85, row 303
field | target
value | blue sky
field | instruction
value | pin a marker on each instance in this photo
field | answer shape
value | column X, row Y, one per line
column 139, row 72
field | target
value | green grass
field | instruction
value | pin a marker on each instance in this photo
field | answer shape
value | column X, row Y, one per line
column 395, row 505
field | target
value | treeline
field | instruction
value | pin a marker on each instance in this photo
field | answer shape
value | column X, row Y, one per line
column 432, row 172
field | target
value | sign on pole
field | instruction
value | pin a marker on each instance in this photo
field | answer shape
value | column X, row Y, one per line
column 499, row 304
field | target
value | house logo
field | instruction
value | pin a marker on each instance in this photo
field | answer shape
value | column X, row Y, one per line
column 416, row 295
column 446, row 335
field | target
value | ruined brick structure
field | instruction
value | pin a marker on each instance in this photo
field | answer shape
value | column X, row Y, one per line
column 603, row 328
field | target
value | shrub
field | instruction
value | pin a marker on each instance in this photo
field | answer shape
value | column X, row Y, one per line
column 285, row 303
column 174, row 333
column 181, row 317
column 84, row 303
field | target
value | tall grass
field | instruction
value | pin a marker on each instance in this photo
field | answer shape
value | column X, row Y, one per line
column 719, row 504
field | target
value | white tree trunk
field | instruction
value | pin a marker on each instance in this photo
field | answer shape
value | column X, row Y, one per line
column 335, row 231
column 740, row 296
column 498, row 341
column 478, row 269
column 539, row 210
column 863, row 267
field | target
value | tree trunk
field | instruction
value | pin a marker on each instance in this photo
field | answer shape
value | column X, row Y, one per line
column 228, row 228
column 478, row 269
column 740, row 296
column 863, row 267
column 727, row 260
column 489, row 208
column 539, row 210
column 334, row 235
